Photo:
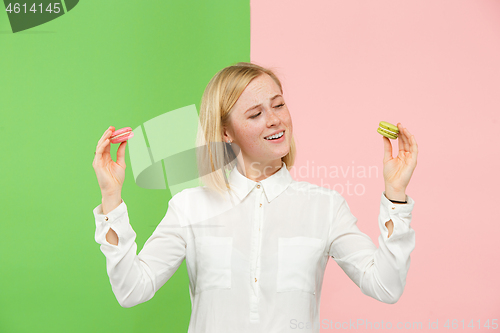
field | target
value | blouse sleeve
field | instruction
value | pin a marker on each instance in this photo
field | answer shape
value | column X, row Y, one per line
column 379, row 272
column 136, row 278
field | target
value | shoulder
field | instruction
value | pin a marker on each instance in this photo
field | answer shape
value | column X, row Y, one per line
column 189, row 193
column 195, row 196
column 306, row 188
column 319, row 197
column 199, row 204
column 315, row 194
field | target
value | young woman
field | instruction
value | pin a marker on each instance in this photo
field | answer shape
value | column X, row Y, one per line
column 256, row 242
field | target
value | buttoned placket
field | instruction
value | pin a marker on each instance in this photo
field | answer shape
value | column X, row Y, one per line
column 256, row 252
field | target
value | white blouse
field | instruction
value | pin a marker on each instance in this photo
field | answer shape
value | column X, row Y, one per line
column 256, row 261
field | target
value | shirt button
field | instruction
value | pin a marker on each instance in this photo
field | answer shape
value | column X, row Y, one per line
column 260, row 205
column 255, row 279
column 106, row 218
column 258, row 186
column 393, row 207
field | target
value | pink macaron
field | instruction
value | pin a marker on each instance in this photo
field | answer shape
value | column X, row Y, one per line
column 123, row 134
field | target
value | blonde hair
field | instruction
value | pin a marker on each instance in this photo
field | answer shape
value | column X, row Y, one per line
column 215, row 158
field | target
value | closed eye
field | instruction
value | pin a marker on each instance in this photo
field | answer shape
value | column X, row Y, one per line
column 277, row 106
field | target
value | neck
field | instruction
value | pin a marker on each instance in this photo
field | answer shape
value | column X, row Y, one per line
column 258, row 170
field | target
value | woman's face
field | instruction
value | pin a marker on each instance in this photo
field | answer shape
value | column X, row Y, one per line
column 259, row 113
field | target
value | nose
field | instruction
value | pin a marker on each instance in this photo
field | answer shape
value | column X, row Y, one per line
column 272, row 119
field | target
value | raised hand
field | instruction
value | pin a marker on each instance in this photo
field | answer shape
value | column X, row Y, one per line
column 398, row 170
column 110, row 174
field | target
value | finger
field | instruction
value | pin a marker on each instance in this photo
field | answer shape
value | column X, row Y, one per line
column 106, row 134
column 401, row 143
column 406, row 140
column 387, row 149
column 413, row 147
column 107, row 148
column 120, row 154
column 100, row 150
column 409, row 134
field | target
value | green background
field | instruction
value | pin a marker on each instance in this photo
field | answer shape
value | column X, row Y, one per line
column 62, row 85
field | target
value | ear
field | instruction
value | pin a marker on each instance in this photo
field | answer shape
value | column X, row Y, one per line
column 226, row 136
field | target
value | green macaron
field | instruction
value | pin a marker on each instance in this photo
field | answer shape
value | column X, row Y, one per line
column 388, row 130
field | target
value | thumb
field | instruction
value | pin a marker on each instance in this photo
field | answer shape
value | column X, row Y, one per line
column 120, row 154
column 387, row 149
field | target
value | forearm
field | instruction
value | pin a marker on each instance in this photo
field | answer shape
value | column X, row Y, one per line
column 386, row 279
column 398, row 195
column 109, row 203
column 395, row 194
column 131, row 280
column 381, row 273
column 392, row 258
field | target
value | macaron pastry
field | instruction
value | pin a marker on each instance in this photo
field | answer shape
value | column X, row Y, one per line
column 123, row 134
column 388, row 130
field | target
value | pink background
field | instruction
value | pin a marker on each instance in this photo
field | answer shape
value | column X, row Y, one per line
column 434, row 66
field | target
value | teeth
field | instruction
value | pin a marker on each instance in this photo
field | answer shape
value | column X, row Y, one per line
column 279, row 135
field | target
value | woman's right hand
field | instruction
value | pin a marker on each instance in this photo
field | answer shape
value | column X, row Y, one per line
column 110, row 174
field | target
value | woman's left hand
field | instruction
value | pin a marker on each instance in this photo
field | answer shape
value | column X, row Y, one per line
column 398, row 170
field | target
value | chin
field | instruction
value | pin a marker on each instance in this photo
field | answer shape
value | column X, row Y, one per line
column 283, row 154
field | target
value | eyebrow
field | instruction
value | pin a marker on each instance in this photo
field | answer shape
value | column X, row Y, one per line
column 256, row 106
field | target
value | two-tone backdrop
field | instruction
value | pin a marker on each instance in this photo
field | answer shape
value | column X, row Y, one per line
column 345, row 66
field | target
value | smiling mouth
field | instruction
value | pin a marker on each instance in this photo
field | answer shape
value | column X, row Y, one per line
column 275, row 136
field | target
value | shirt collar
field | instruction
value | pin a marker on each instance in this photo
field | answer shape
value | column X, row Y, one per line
column 273, row 185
